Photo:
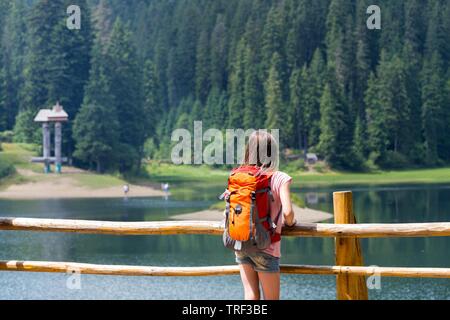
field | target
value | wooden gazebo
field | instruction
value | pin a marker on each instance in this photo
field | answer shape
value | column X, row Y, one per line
column 56, row 115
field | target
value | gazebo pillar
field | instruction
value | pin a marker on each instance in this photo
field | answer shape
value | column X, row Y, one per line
column 46, row 146
column 58, row 143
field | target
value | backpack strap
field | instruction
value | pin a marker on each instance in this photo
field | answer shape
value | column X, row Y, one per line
column 274, row 224
column 276, row 236
column 253, row 210
column 227, row 211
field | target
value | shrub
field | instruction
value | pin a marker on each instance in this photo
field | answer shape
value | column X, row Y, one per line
column 395, row 160
column 6, row 136
column 150, row 149
column 320, row 167
column 6, row 169
column 25, row 129
column 371, row 166
column 295, row 165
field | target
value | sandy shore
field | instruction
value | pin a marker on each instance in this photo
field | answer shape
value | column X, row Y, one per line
column 66, row 187
column 303, row 215
column 44, row 190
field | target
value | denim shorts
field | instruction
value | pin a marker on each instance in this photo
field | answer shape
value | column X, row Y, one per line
column 260, row 261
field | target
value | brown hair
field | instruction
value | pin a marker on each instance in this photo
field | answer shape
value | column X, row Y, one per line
column 262, row 151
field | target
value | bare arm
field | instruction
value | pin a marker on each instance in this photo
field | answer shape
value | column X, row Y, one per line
column 288, row 212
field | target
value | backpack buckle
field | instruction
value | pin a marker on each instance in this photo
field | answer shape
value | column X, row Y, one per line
column 223, row 195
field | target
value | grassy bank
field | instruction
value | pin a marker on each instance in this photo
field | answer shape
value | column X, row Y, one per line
column 438, row 175
column 164, row 172
column 170, row 173
column 19, row 155
column 6, row 169
column 15, row 159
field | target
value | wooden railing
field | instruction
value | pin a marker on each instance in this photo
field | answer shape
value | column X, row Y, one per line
column 349, row 270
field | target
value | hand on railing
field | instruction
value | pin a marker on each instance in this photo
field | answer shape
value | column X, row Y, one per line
column 294, row 223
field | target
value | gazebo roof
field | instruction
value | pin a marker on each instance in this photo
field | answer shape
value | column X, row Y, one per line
column 57, row 114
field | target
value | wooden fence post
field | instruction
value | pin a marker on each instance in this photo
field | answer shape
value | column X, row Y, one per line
column 348, row 251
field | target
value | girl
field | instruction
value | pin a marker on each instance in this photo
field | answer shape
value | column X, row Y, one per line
column 263, row 267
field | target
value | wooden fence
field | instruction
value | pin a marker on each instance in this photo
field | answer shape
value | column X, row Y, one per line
column 349, row 270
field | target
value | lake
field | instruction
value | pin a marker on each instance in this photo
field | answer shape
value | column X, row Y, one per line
column 381, row 204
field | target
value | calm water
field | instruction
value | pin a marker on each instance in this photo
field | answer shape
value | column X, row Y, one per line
column 372, row 204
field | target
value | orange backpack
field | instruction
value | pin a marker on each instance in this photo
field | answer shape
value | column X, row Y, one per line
column 248, row 223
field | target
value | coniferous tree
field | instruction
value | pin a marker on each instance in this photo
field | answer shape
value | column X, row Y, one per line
column 216, row 109
column 433, row 97
column 413, row 136
column 361, row 74
column 151, row 105
column 444, row 141
column 44, row 17
column 330, row 123
column 236, row 103
column 272, row 38
column 297, row 90
column 414, row 28
column 313, row 87
column 70, row 69
column 3, row 109
column 445, row 52
column 359, row 141
column 276, row 111
column 254, row 112
column 183, row 56
column 376, row 126
column 391, row 39
column 57, row 66
column 339, row 43
column 335, row 142
column 161, row 66
column 96, row 129
column 219, row 54
column 14, row 47
column 388, row 110
column 125, row 85
column 202, row 70
column 103, row 21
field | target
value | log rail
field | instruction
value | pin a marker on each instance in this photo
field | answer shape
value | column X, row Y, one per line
column 123, row 270
column 320, row 230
